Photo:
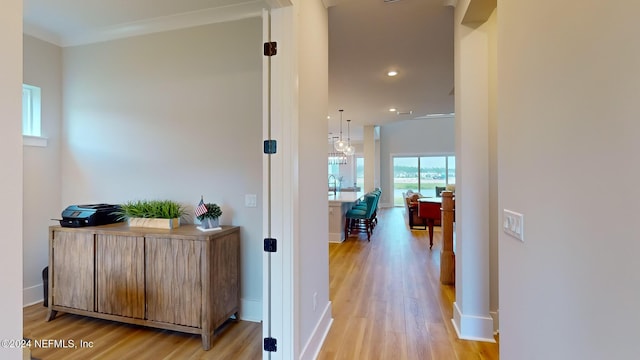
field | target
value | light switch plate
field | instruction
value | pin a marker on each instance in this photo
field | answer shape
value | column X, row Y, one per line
column 513, row 224
column 250, row 200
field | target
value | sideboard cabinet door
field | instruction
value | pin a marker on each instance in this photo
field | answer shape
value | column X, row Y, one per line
column 174, row 280
column 120, row 275
column 72, row 270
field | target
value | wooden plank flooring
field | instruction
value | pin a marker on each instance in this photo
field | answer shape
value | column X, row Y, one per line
column 387, row 304
column 113, row 340
column 387, row 299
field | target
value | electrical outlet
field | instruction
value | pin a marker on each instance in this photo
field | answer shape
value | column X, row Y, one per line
column 513, row 224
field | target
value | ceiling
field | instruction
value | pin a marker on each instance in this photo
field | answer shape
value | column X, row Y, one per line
column 367, row 38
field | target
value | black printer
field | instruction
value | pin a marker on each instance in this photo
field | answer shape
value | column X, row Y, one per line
column 89, row 215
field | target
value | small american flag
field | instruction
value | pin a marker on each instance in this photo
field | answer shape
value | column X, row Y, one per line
column 201, row 209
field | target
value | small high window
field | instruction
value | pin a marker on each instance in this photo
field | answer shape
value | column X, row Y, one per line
column 31, row 110
column 31, row 123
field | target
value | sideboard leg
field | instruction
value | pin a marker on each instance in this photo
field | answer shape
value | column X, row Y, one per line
column 51, row 314
column 206, row 341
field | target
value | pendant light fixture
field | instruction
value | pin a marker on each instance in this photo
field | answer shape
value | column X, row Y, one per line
column 340, row 145
column 337, row 157
column 349, row 150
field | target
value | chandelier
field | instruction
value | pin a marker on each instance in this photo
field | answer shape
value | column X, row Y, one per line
column 341, row 150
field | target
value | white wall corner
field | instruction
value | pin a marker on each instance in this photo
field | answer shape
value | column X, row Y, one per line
column 250, row 310
column 314, row 344
column 472, row 327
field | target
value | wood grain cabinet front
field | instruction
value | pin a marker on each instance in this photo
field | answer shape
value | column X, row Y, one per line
column 178, row 279
column 120, row 275
column 174, row 281
column 73, row 281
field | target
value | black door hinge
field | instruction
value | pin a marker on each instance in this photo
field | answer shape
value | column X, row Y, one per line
column 270, row 146
column 270, row 245
column 270, row 48
column 270, row 344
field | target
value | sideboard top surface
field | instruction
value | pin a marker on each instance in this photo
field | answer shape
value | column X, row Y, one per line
column 188, row 231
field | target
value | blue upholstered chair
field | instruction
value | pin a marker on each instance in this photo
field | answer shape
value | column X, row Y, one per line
column 362, row 220
column 362, row 205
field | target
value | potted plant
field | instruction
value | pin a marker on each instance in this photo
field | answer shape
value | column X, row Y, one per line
column 210, row 219
column 163, row 214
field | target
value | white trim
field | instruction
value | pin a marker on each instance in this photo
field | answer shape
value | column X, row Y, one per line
column 335, row 237
column 319, row 334
column 495, row 315
column 38, row 141
column 284, row 189
column 472, row 327
column 250, row 310
column 250, row 8
column 32, row 295
column 40, row 33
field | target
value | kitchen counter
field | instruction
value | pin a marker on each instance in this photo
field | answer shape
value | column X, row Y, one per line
column 339, row 204
column 342, row 196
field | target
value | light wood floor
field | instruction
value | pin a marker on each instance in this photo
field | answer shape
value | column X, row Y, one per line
column 387, row 299
column 387, row 304
column 112, row 340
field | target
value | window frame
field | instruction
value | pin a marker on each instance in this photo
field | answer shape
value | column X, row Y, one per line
column 32, row 116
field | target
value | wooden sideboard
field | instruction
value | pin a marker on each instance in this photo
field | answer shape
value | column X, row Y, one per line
column 180, row 279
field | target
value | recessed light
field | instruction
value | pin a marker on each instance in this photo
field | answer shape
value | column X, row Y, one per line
column 405, row 112
column 392, row 73
column 393, row 109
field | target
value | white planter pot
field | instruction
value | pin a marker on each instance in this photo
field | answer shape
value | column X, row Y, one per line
column 208, row 223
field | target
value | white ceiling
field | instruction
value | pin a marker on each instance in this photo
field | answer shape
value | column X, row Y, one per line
column 367, row 38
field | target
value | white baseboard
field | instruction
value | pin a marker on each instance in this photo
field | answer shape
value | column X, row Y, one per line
column 472, row 327
column 314, row 345
column 496, row 321
column 250, row 310
column 336, row 237
column 32, row 295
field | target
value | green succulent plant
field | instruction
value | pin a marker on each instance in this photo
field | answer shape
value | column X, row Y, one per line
column 213, row 212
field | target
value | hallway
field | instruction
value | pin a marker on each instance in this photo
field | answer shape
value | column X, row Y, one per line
column 387, row 299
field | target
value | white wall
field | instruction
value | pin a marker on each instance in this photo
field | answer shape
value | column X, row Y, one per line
column 313, row 280
column 471, row 315
column 413, row 137
column 568, row 85
column 171, row 115
column 11, row 160
column 42, row 201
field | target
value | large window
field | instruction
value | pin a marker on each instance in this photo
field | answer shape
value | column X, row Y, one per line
column 421, row 174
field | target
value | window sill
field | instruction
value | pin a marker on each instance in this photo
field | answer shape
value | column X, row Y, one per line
column 37, row 141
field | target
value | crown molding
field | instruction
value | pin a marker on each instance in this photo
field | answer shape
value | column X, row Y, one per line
column 252, row 8
column 40, row 33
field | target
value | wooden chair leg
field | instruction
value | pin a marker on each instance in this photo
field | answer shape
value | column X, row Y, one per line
column 346, row 228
